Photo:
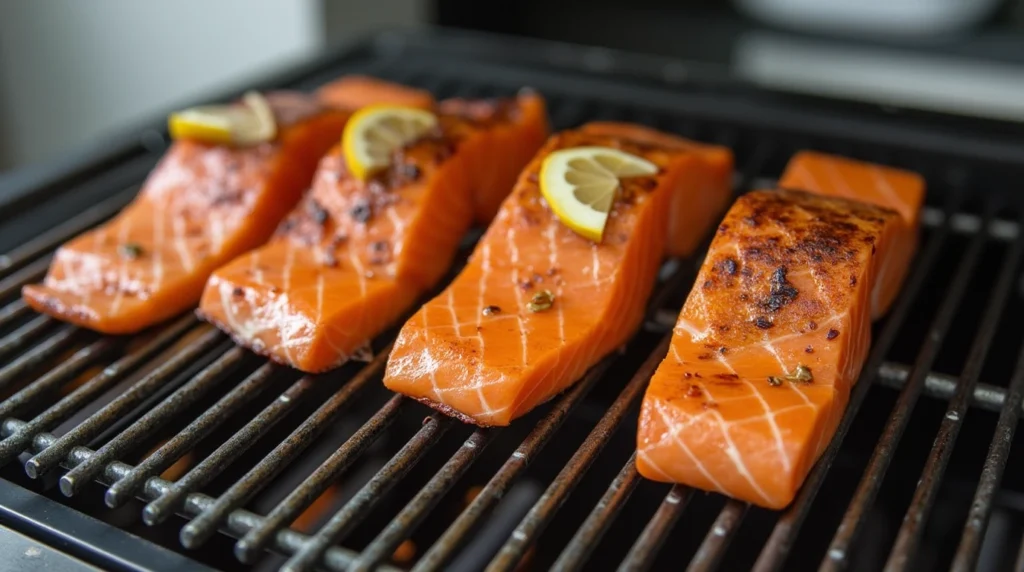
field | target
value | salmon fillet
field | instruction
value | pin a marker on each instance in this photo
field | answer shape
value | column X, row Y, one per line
column 902, row 191
column 355, row 256
column 767, row 347
column 355, row 91
column 478, row 353
column 200, row 207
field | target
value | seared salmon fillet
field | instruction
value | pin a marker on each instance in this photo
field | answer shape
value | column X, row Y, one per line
column 355, row 256
column 493, row 345
column 767, row 347
column 902, row 191
column 201, row 206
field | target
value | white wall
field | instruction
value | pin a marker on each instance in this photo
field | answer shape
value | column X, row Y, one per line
column 72, row 69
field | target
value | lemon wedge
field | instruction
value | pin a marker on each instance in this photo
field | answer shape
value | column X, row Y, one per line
column 580, row 184
column 246, row 124
column 374, row 133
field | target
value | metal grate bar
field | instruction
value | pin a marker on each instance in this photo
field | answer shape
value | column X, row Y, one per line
column 452, row 539
column 23, row 335
column 61, row 233
column 643, row 552
column 122, row 404
column 287, row 541
column 205, row 525
column 774, row 553
column 58, row 376
column 137, row 432
column 22, row 440
column 576, row 553
column 711, row 551
column 13, row 312
column 171, row 451
column 163, row 507
column 356, row 509
column 34, row 272
column 931, row 475
column 544, row 509
column 251, row 546
column 992, row 473
column 871, row 481
column 416, row 510
column 44, row 352
column 942, row 386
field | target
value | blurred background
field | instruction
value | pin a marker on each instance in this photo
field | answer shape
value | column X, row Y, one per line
column 72, row 72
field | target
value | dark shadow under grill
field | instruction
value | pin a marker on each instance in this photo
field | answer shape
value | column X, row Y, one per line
column 331, row 470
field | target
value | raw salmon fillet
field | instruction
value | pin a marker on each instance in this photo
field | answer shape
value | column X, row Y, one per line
column 478, row 353
column 354, row 257
column 902, row 191
column 767, row 347
column 355, row 91
column 199, row 208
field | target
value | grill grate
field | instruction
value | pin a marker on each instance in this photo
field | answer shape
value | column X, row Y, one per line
column 265, row 444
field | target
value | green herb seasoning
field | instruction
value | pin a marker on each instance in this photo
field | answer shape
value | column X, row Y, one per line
column 131, row 250
column 541, row 301
column 802, row 374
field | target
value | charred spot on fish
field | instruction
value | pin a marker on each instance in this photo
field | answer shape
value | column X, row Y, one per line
column 809, row 350
column 317, row 212
column 361, row 211
column 694, row 391
column 237, row 292
column 708, row 284
column 853, row 280
column 409, row 171
column 744, row 297
column 722, row 350
column 812, row 325
column 832, row 334
column 781, row 292
column 763, row 323
column 728, row 266
column 491, row 310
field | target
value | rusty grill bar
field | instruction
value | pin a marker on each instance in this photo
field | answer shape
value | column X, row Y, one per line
column 82, row 406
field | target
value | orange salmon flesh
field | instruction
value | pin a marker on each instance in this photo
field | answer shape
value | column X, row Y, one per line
column 768, row 344
column 902, row 191
column 354, row 256
column 478, row 352
column 200, row 207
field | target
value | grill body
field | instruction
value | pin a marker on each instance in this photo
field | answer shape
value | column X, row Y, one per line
column 126, row 452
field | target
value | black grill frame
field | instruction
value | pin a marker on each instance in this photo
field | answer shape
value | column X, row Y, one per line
column 970, row 212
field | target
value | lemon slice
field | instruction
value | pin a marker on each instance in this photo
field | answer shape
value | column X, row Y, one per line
column 246, row 124
column 580, row 184
column 374, row 133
